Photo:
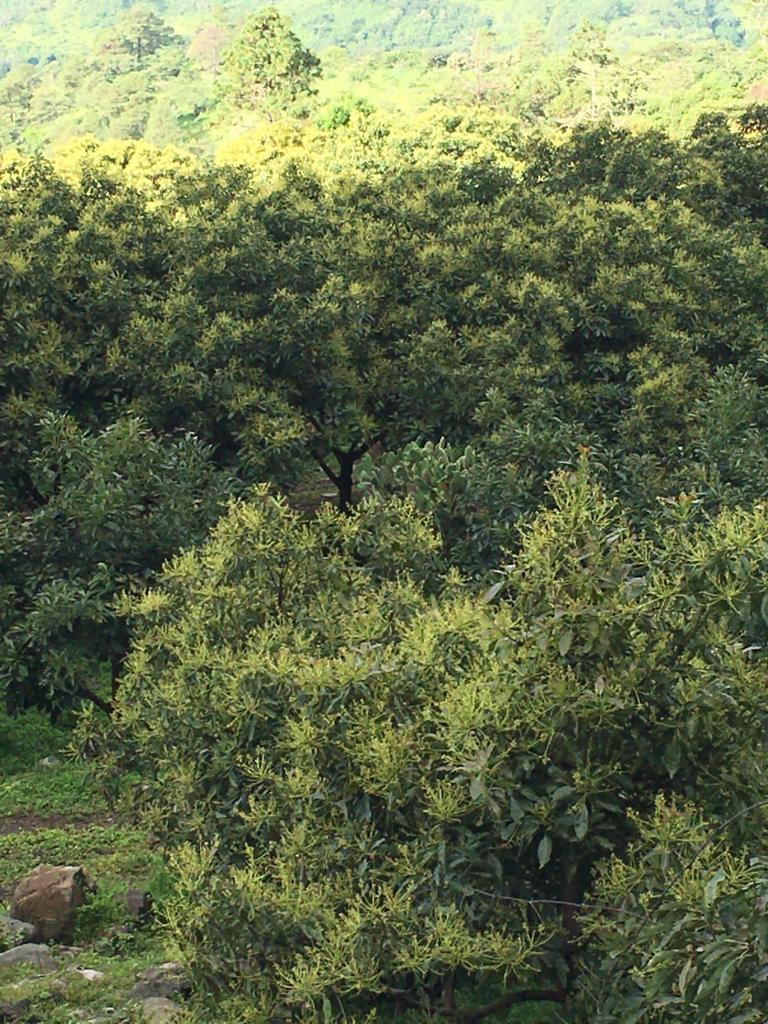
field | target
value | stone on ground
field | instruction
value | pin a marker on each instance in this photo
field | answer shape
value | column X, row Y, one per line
column 14, row 1011
column 159, row 1011
column 164, row 982
column 48, row 899
column 15, row 933
column 30, row 953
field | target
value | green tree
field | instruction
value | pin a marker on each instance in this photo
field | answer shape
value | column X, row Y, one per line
column 108, row 510
column 382, row 796
column 590, row 58
column 267, row 68
column 137, row 37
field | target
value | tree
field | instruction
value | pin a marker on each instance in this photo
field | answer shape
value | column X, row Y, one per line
column 109, row 509
column 589, row 57
column 385, row 791
column 480, row 71
column 137, row 37
column 207, row 47
column 267, row 68
column 754, row 13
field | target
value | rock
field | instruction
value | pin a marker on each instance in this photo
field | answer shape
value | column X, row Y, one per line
column 159, row 1011
column 138, row 905
column 58, row 989
column 49, row 762
column 15, row 933
column 14, row 1011
column 88, row 974
column 30, row 953
column 49, row 897
column 162, row 982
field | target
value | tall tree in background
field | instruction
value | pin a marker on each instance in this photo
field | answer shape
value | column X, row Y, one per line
column 590, row 57
column 480, row 71
column 754, row 14
column 267, row 66
column 137, row 38
column 207, row 48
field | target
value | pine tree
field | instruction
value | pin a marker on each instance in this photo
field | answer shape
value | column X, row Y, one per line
column 267, row 66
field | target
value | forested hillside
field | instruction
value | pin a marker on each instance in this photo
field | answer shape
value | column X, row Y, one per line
column 70, row 67
column 63, row 27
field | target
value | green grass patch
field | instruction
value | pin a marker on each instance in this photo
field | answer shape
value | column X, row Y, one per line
column 65, row 789
column 118, row 853
column 27, row 738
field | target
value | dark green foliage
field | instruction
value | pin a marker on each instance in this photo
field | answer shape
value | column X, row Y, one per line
column 395, row 751
column 691, row 944
column 101, row 515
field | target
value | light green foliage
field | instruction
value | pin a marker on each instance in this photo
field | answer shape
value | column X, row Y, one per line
column 367, row 784
column 159, row 74
column 266, row 67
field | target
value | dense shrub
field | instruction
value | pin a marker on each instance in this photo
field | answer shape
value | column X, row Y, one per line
column 102, row 513
column 374, row 791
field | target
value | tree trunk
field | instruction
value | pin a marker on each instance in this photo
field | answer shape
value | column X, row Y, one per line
column 345, row 479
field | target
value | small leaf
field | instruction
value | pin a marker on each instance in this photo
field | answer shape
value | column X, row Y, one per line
column 566, row 639
column 689, row 968
column 476, row 788
column 710, row 890
column 582, row 822
column 545, row 851
column 516, row 812
column 489, row 595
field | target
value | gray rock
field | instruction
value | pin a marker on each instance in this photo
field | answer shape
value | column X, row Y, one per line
column 30, row 953
column 49, row 762
column 15, row 932
column 88, row 974
column 159, row 1011
column 162, row 982
column 138, row 905
column 49, row 897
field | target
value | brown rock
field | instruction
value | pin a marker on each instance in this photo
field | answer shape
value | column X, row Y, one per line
column 48, row 899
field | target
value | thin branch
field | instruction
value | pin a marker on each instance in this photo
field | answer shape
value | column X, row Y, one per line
column 94, row 698
column 558, row 903
column 326, row 469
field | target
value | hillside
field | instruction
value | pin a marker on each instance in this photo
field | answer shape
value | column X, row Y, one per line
column 63, row 27
column 68, row 69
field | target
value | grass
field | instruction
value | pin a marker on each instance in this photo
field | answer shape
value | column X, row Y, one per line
column 111, row 853
column 65, row 789
column 53, row 814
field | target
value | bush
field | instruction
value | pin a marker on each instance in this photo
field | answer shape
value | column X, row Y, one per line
column 381, row 795
column 103, row 513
